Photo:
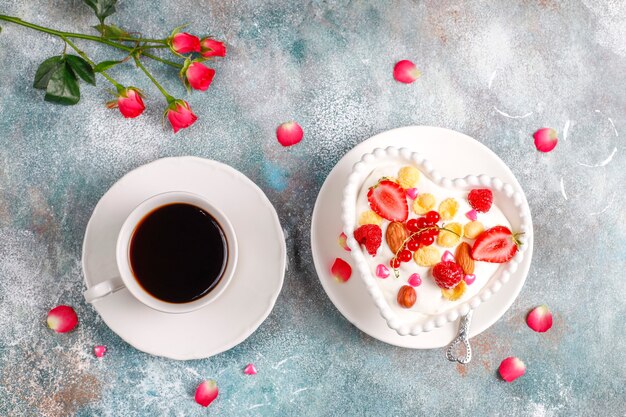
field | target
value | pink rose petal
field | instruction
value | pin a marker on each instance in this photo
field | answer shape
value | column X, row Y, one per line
column 447, row 257
column 99, row 350
column 62, row 319
column 545, row 139
column 382, row 271
column 206, row 392
column 415, row 280
column 540, row 319
column 412, row 193
column 469, row 279
column 342, row 240
column 341, row 270
column 405, row 72
column 472, row 215
column 250, row 369
column 511, row 368
column 289, row 133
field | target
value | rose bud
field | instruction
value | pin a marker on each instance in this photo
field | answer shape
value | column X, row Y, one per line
column 180, row 115
column 210, row 47
column 183, row 43
column 199, row 76
column 129, row 102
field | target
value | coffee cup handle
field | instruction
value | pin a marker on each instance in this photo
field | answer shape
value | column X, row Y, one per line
column 103, row 289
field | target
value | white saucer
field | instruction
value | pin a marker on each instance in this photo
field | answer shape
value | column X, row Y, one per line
column 455, row 155
column 245, row 303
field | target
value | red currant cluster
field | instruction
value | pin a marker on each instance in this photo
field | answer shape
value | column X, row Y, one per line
column 423, row 231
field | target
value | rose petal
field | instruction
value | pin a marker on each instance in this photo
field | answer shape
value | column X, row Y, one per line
column 405, row 72
column 341, row 270
column 289, row 133
column 447, row 257
column 99, row 350
column 250, row 369
column 382, row 271
column 62, row 319
column 545, row 139
column 342, row 240
column 206, row 392
column 415, row 280
column 511, row 368
column 469, row 279
column 540, row 319
column 412, row 193
column 472, row 215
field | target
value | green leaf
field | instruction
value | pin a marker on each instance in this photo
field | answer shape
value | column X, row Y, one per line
column 111, row 31
column 102, row 8
column 63, row 87
column 45, row 71
column 105, row 65
column 81, row 68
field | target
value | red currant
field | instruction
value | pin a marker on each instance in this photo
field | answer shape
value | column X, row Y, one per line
column 433, row 217
column 412, row 225
column 394, row 263
column 428, row 240
column 413, row 245
column 422, row 223
column 405, row 255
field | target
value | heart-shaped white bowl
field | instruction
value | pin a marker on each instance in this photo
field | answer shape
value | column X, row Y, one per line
column 508, row 200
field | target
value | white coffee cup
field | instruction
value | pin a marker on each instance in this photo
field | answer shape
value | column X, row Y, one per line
column 127, row 280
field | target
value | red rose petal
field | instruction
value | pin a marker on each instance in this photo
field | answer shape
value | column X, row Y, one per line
column 342, row 242
column 62, row 319
column 206, row 392
column 512, row 368
column 406, row 72
column 545, row 139
column 540, row 319
column 341, row 270
column 289, row 133
column 99, row 350
column 250, row 369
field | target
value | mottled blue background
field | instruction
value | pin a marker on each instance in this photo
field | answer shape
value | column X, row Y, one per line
column 496, row 71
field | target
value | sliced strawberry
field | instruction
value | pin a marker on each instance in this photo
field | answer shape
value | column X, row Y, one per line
column 388, row 200
column 495, row 245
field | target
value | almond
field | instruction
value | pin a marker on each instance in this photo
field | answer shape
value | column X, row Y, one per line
column 396, row 235
column 407, row 296
column 464, row 259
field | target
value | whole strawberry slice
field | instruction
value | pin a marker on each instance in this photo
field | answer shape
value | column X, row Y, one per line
column 480, row 199
column 447, row 274
column 388, row 200
column 495, row 245
column 371, row 236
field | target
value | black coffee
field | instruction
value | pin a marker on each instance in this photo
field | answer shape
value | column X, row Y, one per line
column 178, row 253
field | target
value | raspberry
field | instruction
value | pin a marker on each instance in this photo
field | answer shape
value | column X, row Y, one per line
column 448, row 208
column 480, row 199
column 447, row 274
column 408, row 177
column 369, row 235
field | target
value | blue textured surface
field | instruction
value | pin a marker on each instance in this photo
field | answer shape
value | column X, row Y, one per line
column 495, row 72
